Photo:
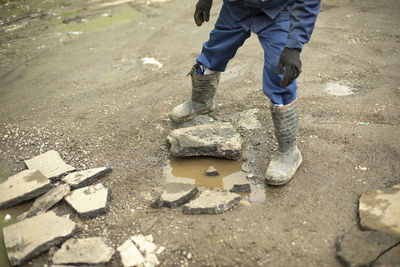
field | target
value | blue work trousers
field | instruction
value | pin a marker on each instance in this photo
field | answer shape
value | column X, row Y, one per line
column 228, row 36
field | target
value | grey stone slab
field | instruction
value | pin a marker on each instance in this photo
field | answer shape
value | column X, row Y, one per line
column 216, row 140
column 50, row 164
column 390, row 258
column 86, row 177
column 23, row 186
column 176, row 194
column 380, row 210
column 361, row 248
column 211, row 171
column 241, row 188
column 89, row 201
column 130, row 254
column 94, row 250
column 31, row 237
column 211, row 202
column 46, row 201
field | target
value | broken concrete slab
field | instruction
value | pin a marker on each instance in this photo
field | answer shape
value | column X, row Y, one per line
column 46, row 201
column 361, row 248
column 216, row 140
column 130, row 254
column 50, row 164
column 241, row 188
column 211, row 202
column 380, row 210
column 176, row 194
column 236, row 182
column 31, row 237
column 94, row 250
column 23, row 186
column 89, row 201
column 211, row 171
column 84, row 178
column 390, row 258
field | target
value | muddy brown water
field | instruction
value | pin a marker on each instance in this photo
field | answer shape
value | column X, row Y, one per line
column 193, row 171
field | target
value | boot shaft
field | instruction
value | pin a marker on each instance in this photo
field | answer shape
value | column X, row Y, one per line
column 204, row 86
column 286, row 120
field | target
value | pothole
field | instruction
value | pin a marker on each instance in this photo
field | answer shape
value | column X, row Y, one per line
column 193, row 171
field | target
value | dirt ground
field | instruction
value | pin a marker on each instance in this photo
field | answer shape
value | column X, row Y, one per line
column 72, row 79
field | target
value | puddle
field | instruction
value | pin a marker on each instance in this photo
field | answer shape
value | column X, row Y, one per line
column 192, row 171
column 334, row 88
column 14, row 212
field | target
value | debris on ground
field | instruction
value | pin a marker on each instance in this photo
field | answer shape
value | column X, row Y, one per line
column 46, row 201
column 94, row 250
column 211, row 202
column 216, row 140
column 90, row 201
column 31, row 237
column 152, row 61
column 241, row 188
column 211, row 171
column 84, row 178
column 50, row 164
column 130, row 254
column 248, row 120
column 176, row 194
column 23, row 186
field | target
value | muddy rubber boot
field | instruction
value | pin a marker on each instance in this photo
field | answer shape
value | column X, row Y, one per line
column 202, row 100
column 287, row 159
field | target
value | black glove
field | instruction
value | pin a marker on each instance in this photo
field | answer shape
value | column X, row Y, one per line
column 290, row 58
column 202, row 12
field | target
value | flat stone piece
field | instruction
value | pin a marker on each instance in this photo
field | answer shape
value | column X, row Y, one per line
column 380, row 210
column 390, row 258
column 130, row 255
column 31, row 237
column 89, row 201
column 211, row 171
column 94, row 250
column 46, row 201
column 361, row 248
column 211, row 202
column 241, row 188
column 216, row 140
column 50, row 164
column 86, row 177
column 176, row 194
column 23, row 186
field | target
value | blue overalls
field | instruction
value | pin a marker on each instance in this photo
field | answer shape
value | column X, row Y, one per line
column 277, row 23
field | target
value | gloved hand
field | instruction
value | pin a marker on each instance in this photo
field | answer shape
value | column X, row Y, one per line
column 202, row 12
column 290, row 58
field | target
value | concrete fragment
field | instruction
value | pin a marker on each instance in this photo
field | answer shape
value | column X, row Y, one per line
column 31, row 237
column 93, row 250
column 361, row 248
column 86, row 177
column 390, row 258
column 89, row 201
column 23, row 186
column 241, row 188
column 211, row 171
column 46, row 201
column 50, row 164
column 176, row 194
column 148, row 248
column 212, row 203
column 380, row 210
column 216, row 140
column 130, row 255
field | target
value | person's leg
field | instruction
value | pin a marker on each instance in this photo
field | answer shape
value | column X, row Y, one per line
column 224, row 41
column 284, row 109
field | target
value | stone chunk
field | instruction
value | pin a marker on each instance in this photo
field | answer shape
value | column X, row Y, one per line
column 380, row 210
column 176, row 194
column 130, row 255
column 50, row 164
column 46, row 201
column 31, row 237
column 241, row 188
column 84, row 178
column 211, row 171
column 93, row 250
column 211, row 202
column 215, row 140
column 361, row 248
column 89, row 201
column 23, row 186
column 390, row 258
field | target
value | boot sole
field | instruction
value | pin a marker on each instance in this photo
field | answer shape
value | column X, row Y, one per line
column 191, row 117
column 269, row 182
